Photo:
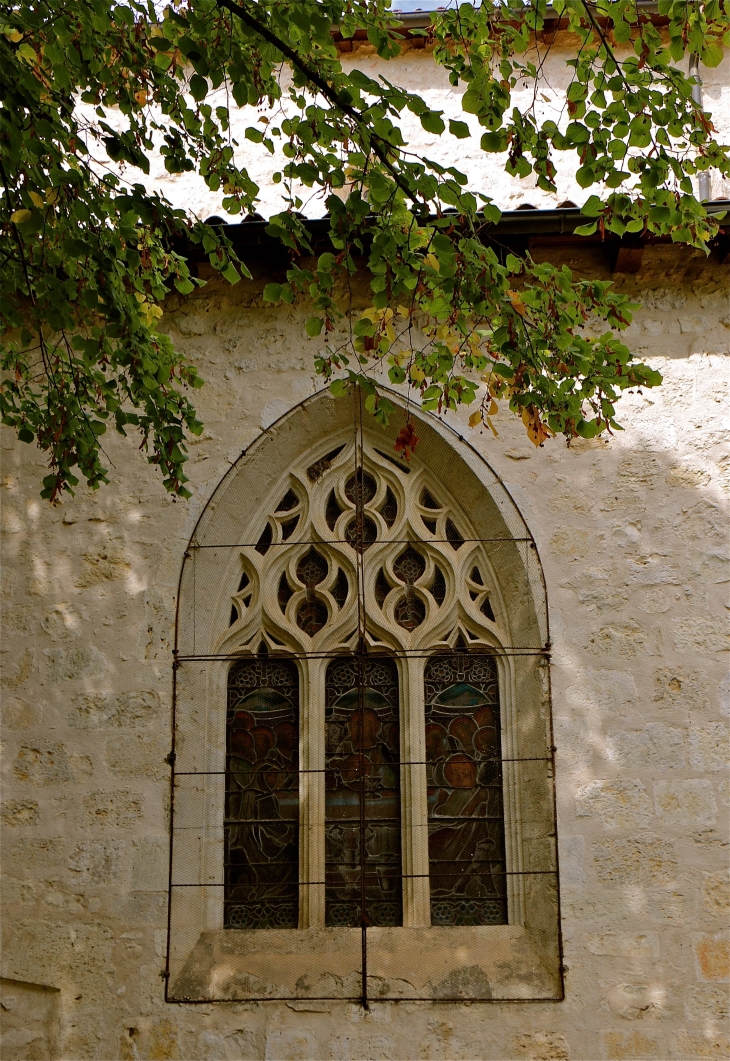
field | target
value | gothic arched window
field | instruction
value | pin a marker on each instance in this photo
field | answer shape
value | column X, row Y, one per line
column 356, row 615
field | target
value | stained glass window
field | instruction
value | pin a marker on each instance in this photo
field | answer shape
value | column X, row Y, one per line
column 262, row 795
column 362, row 800
column 465, row 813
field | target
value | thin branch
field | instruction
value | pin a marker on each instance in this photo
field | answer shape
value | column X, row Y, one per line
column 327, row 90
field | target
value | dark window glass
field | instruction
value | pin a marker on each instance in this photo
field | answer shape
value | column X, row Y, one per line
column 362, row 793
column 262, row 795
column 465, row 815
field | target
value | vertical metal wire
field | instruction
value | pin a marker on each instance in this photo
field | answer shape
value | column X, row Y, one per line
column 361, row 649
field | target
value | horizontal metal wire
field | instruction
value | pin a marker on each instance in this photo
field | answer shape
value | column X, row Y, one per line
column 401, row 876
column 340, row 541
column 263, row 767
column 375, row 653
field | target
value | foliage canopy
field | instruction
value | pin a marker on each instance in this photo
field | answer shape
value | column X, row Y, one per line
column 89, row 254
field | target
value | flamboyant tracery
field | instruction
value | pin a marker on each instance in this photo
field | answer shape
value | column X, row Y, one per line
column 364, row 566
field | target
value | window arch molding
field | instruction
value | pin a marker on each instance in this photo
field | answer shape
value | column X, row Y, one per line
column 477, row 586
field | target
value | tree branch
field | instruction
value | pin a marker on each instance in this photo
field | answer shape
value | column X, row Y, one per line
column 327, row 90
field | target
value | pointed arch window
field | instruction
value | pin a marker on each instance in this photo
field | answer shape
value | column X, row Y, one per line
column 370, row 767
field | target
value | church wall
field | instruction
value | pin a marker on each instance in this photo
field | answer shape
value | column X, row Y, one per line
column 632, row 537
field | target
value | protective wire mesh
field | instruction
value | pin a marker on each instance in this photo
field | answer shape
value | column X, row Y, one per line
column 363, row 802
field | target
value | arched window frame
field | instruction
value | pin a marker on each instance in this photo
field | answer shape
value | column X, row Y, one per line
column 207, row 633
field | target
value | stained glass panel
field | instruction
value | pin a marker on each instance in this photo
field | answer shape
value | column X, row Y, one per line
column 262, row 795
column 466, row 823
column 362, row 793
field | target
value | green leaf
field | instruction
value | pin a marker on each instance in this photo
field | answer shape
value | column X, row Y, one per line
column 586, row 230
column 458, row 129
column 432, row 122
column 198, row 87
column 712, row 54
column 25, row 434
column 272, row 293
column 314, row 326
column 338, row 387
column 231, row 273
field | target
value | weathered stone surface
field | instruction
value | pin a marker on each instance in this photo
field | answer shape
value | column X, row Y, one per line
column 117, row 809
column 690, row 803
column 712, row 956
column 150, row 863
column 108, row 565
column 678, row 687
column 540, row 1046
column 619, row 945
column 115, row 709
column 707, row 1002
column 701, row 634
column 656, row 745
column 75, row 663
column 43, row 762
column 696, row 1046
column 626, row 1046
column 618, row 640
column 716, row 892
column 30, row 1016
column 19, row 812
column 709, row 747
column 62, row 623
column 637, row 1001
column 44, row 854
column 635, row 860
column 138, row 756
column 19, row 713
column 97, row 861
column 571, row 543
column 621, row 804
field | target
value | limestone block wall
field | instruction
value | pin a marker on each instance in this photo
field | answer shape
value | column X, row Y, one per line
column 632, row 534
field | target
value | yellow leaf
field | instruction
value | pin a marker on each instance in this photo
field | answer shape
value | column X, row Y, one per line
column 390, row 333
column 38, row 200
column 475, row 419
column 546, row 98
column 21, row 216
column 141, row 97
column 493, row 408
column 433, row 261
column 403, row 311
column 417, row 374
column 495, row 432
column 517, row 304
column 139, row 296
column 51, row 195
column 14, row 35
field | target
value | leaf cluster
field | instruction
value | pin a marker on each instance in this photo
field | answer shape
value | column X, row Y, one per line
column 91, row 91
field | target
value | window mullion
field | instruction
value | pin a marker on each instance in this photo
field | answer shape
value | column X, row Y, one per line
column 311, row 795
column 414, row 805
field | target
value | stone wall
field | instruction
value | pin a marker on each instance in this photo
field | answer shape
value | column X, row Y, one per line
column 632, row 536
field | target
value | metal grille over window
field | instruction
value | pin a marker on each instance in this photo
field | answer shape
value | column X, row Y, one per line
column 262, row 795
column 362, row 792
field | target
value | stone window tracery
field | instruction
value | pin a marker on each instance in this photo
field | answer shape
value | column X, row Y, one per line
column 402, row 770
column 423, row 598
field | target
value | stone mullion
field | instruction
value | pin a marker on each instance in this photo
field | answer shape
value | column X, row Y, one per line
column 311, row 795
column 414, row 805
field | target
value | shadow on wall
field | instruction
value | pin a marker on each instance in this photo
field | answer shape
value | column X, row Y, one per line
column 634, row 564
